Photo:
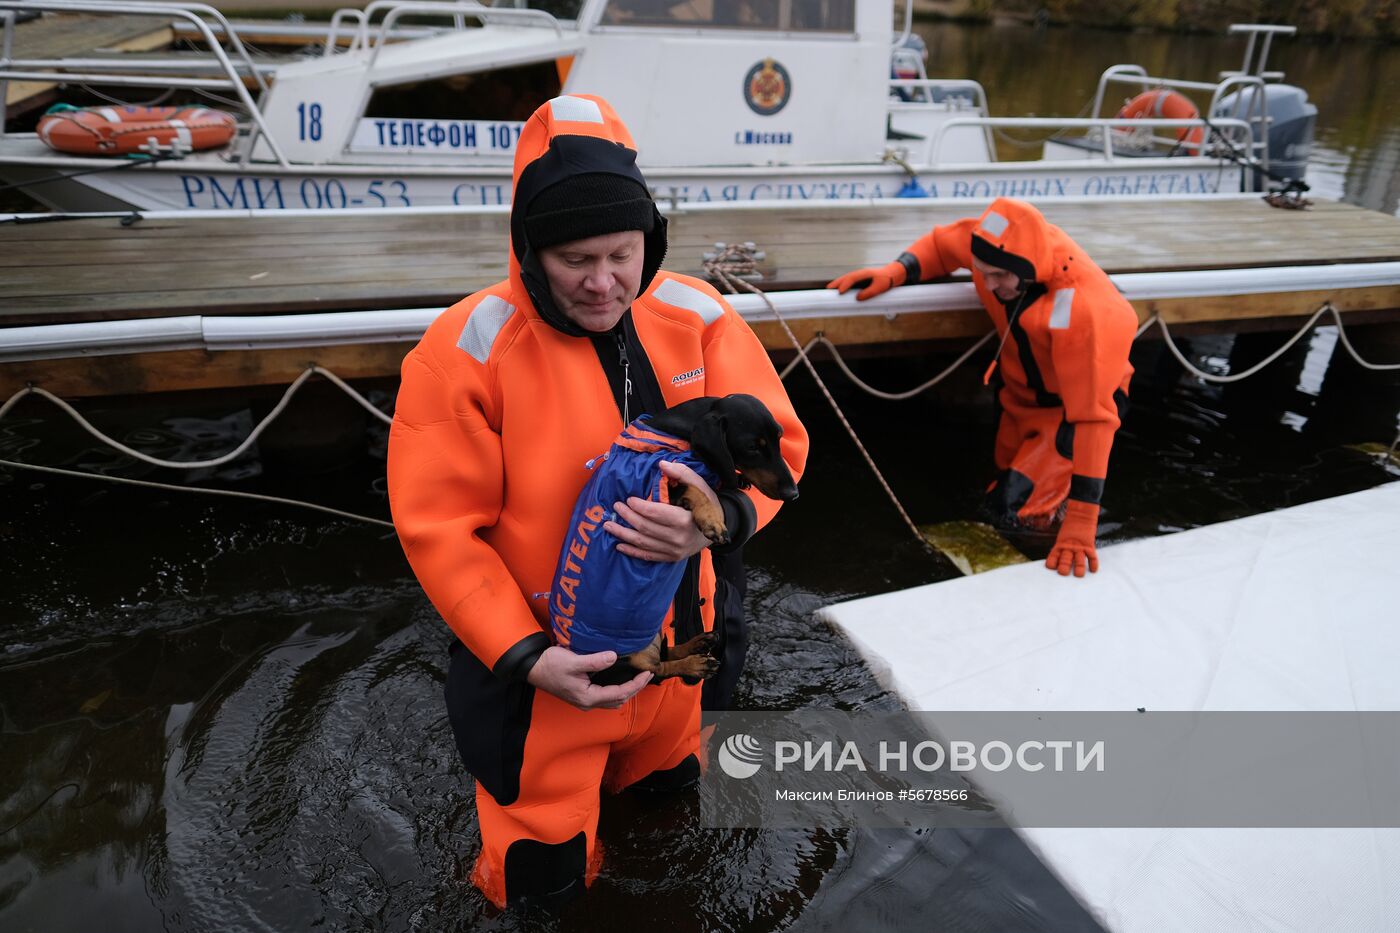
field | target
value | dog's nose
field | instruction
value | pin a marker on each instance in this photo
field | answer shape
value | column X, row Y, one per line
column 790, row 495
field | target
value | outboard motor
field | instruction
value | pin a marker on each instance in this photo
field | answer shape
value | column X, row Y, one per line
column 1291, row 122
column 1284, row 113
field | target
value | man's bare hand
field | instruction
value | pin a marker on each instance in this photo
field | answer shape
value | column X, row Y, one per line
column 661, row 532
column 561, row 672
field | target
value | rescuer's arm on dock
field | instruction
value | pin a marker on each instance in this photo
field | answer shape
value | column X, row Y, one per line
column 1090, row 356
column 736, row 362
column 941, row 251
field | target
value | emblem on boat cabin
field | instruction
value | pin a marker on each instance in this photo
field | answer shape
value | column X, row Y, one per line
column 767, row 88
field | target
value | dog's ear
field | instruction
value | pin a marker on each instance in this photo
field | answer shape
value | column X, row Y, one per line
column 709, row 443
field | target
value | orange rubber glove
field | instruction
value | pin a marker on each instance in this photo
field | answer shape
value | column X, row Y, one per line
column 1074, row 546
column 880, row 280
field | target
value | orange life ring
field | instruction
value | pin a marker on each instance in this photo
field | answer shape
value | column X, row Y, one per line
column 120, row 130
column 1163, row 104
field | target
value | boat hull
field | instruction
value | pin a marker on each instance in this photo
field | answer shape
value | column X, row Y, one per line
column 204, row 183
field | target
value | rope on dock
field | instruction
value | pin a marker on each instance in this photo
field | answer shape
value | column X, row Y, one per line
column 740, row 256
column 1326, row 307
column 247, row 442
column 232, row 493
column 127, row 163
column 822, row 340
column 733, row 257
column 234, row 454
column 156, row 101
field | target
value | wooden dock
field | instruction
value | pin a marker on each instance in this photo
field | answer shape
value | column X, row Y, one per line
column 99, row 269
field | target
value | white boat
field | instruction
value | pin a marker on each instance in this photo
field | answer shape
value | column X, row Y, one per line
column 728, row 101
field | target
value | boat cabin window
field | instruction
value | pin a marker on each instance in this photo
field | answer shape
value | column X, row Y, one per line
column 505, row 94
column 794, row 15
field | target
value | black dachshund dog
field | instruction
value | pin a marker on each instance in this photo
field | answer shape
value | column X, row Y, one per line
column 738, row 438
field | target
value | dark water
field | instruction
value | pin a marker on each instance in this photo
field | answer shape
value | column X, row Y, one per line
column 225, row 715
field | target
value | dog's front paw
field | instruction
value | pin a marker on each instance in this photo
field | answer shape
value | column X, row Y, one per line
column 699, row 667
column 708, row 515
column 700, row 644
column 713, row 530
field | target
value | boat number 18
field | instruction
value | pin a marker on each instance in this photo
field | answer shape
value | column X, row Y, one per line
column 309, row 122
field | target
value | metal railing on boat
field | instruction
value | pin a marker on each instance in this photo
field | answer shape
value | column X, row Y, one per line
column 1258, row 112
column 199, row 15
column 327, row 32
column 393, row 9
column 208, row 24
column 1103, row 124
column 949, row 88
column 941, row 95
column 359, row 35
column 1254, row 31
column 193, row 13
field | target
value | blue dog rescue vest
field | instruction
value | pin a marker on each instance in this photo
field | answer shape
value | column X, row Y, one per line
column 601, row 599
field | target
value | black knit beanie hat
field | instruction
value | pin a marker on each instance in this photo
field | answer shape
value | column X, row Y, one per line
column 588, row 205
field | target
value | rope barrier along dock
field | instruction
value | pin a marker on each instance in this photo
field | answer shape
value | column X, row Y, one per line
column 234, row 454
column 731, row 265
column 1326, row 308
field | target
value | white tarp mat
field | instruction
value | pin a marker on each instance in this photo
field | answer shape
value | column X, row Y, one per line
column 1290, row 610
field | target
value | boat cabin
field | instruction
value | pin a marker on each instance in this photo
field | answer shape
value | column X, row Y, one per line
column 771, row 81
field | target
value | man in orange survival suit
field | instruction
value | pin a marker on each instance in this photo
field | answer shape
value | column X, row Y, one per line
column 1065, row 379
column 510, row 392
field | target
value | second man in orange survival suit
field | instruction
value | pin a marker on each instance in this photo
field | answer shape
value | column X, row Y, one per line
column 1065, row 331
column 508, row 395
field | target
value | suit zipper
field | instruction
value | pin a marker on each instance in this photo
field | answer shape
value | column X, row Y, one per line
column 626, row 377
column 1010, row 320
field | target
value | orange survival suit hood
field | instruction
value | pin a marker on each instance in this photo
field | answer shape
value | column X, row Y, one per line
column 1013, row 235
column 576, row 177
